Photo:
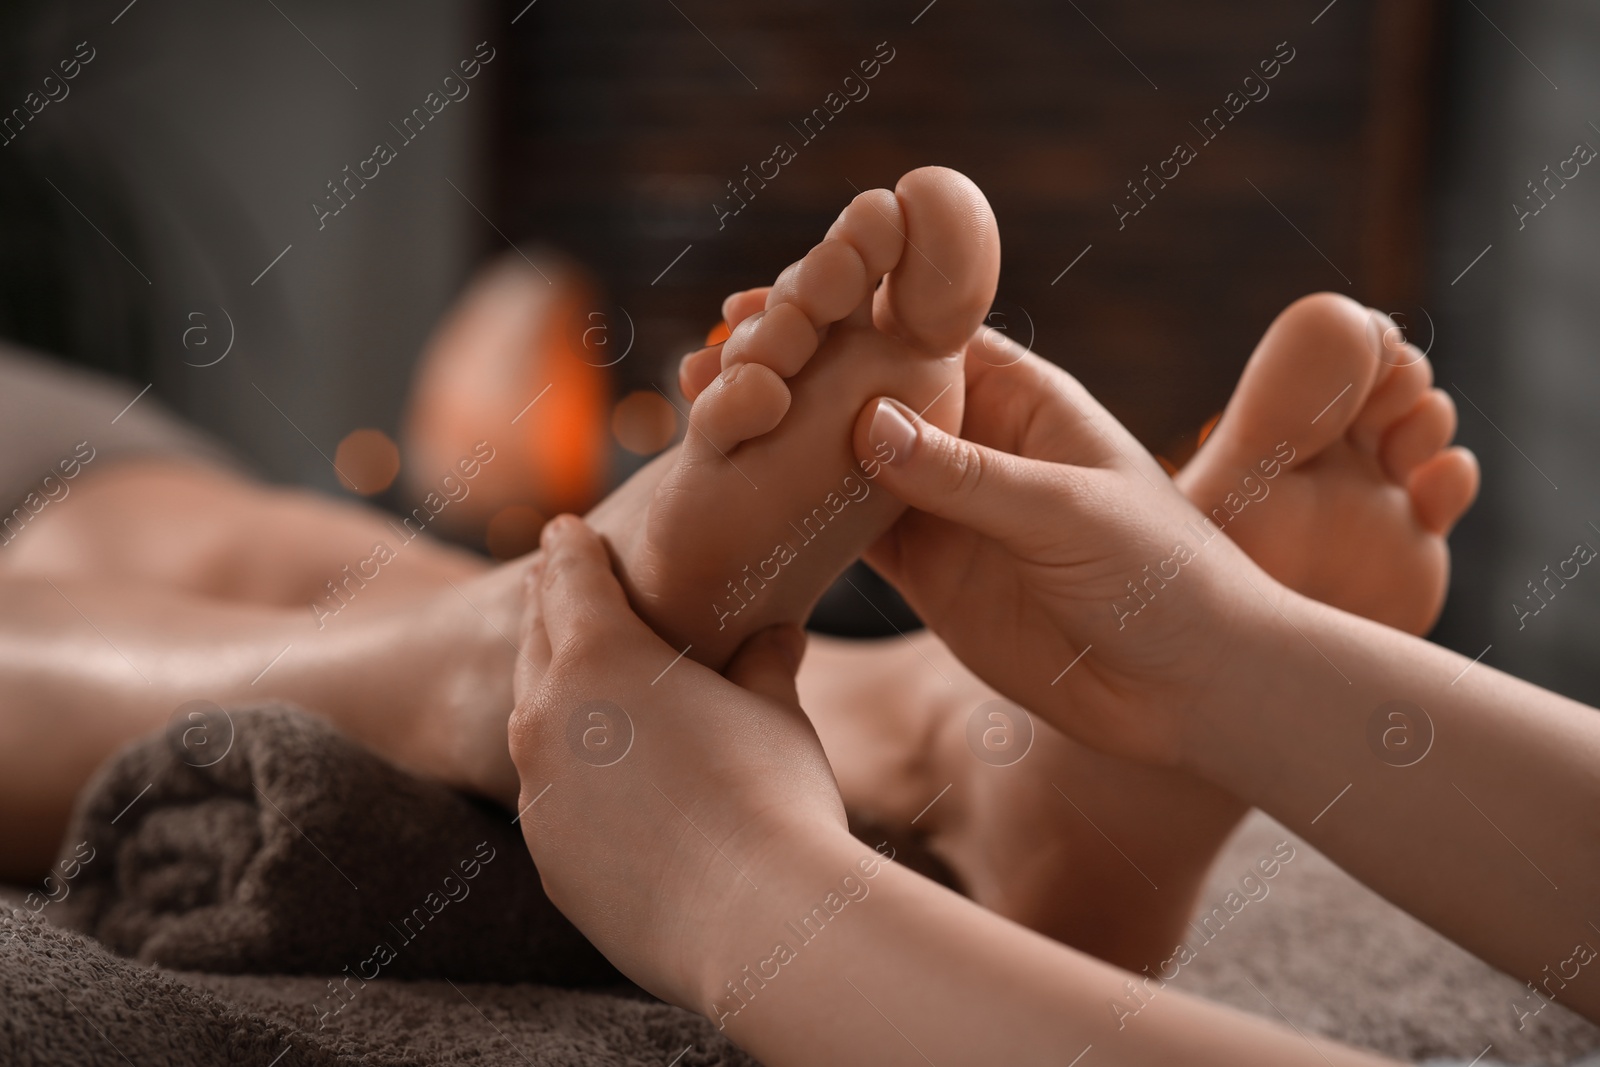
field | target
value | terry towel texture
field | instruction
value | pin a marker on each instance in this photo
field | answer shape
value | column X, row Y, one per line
column 237, row 845
column 65, row 1000
column 262, row 841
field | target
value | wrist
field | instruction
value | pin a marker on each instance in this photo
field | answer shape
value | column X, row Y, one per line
column 808, row 875
column 1258, row 666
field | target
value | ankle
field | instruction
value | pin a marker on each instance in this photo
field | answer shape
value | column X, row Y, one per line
column 437, row 694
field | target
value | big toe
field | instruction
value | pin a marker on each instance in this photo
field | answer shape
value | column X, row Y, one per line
column 1306, row 381
column 939, row 291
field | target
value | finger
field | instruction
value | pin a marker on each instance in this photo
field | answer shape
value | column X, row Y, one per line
column 534, row 642
column 766, row 663
column 1016, row 501
column 581, row 600
column 533, row 663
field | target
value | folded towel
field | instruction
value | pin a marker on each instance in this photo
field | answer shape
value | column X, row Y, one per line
column 65, row 999
column 263, row 841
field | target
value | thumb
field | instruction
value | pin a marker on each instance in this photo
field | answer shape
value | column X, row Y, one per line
column 579, row 596
column 1009, row 498
column 766, row 663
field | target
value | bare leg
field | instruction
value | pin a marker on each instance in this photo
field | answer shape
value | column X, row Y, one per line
column 157, row 583
column 90, row 665
column 1094, row 851
column 176, row 584
column 199, row 530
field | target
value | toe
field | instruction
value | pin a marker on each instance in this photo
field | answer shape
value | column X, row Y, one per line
column 827, row 284
column 873, row 225
column 739, row 306
column 698, row 370
column 783, row 284
column 1403, row 377
column 1306, row 381
column 941, row 288
column 1443, row 488
column 745, row 401
column 1418, row 436
column 781, row 338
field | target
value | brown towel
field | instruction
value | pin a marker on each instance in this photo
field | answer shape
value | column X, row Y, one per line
column 263, row 841
column 65, row 1000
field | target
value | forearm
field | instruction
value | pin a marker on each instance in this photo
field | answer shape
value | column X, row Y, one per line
column 908, row 972
column 1479, row 814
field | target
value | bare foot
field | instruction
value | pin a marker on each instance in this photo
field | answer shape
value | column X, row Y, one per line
column 425, row 681
column 420, row 670
column 1330, row 464
column 1106, row 855
column 700, row 532
column 764, row 504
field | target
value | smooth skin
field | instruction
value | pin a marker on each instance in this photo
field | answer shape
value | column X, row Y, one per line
column 884, row 305
column 687, row 858
column 152, row 559
column 1023, row 540
column 163, row 583
column 159, row 583
column 1331, row 468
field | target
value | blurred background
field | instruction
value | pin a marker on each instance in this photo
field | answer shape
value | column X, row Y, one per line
column 188, row 212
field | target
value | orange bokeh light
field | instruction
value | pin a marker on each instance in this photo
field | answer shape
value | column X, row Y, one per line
column 367, row 461
column 644, row 423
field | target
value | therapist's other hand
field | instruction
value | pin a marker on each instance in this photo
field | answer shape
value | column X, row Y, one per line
column 1049, row 533
column 656, row 794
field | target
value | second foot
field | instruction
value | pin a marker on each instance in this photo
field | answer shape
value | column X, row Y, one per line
column 1331, row 464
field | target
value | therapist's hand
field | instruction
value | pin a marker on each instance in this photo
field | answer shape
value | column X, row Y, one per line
column 1023, row 541
column 658, row 795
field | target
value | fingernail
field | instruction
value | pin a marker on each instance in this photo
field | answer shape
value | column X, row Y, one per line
column 890, row 426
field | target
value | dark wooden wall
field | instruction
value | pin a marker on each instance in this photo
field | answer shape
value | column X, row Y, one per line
column 623, row 123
